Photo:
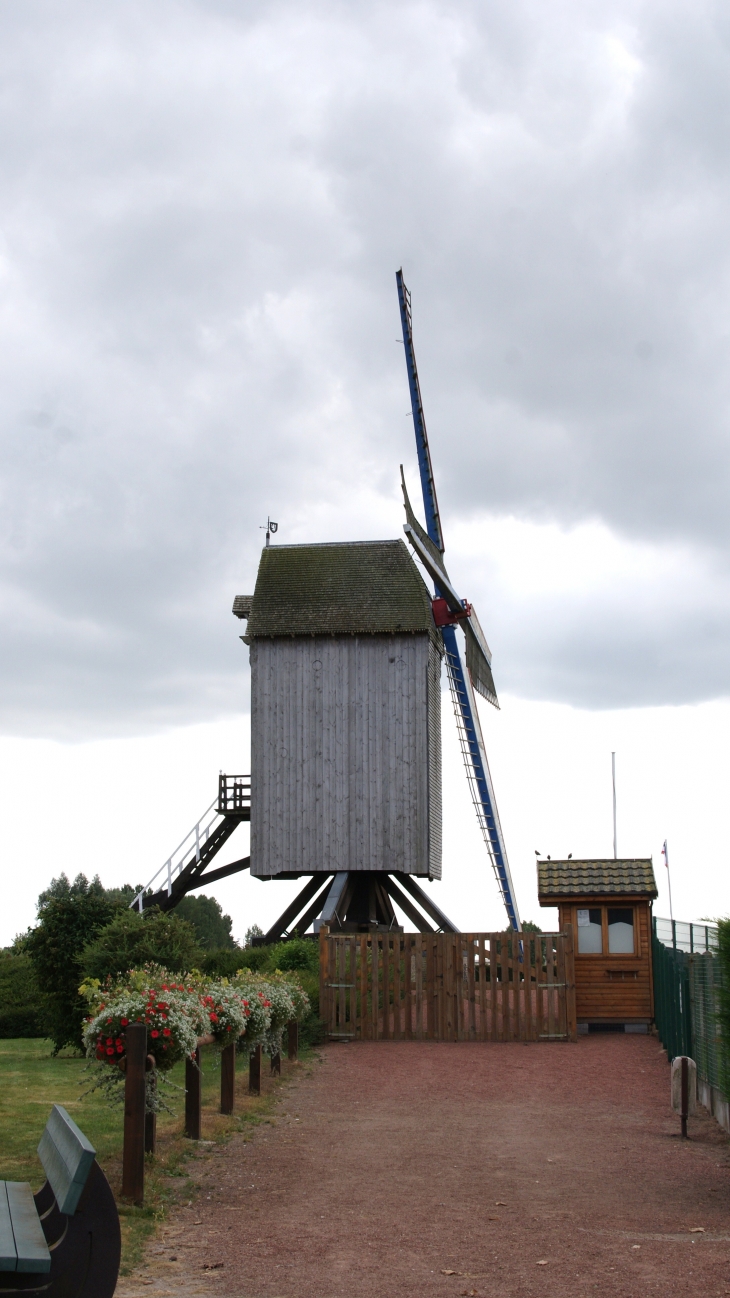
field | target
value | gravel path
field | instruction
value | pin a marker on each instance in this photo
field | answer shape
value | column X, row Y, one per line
column 465, row 1169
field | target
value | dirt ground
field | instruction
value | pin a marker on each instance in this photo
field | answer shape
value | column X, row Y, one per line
column 422, row 1168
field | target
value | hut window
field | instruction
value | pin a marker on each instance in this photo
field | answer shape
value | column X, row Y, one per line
column 620, row 931
column 590, row 932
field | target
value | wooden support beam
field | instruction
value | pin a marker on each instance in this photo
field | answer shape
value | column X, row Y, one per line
column 408, row 882
column 406, row 905
column 283, row 923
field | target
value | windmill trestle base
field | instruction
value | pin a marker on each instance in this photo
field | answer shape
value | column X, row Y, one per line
column 359, row 901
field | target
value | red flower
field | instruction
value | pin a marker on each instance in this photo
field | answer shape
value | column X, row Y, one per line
column 154, row 1033
column 165, row 1033
column 110, row 1050
column 120, row 1050
column 124, row 1022
column 213, row 1018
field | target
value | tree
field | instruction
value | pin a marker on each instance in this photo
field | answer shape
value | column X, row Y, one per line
column 131, row 940
column 212, row 927
column 21, row 1002
column 69, row 915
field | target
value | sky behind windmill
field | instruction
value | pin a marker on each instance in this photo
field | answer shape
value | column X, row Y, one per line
column 202, row 209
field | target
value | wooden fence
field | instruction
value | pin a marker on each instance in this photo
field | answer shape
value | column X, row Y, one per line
column 448, row 986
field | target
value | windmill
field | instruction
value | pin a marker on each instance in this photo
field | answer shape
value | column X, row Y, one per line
column 345, row 645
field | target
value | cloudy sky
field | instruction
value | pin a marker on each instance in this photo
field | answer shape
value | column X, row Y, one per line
column 202, row 207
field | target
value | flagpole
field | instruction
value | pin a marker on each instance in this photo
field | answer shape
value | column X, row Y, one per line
column 613, row 779
column 665, row 853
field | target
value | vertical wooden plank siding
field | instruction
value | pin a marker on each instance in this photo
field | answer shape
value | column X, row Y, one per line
column 560, row 981
column 386, row 986
column 430, row 990
column 526, row 970
column 374, row 980
column 471, row 948
column 550, row 982
column 346, row 754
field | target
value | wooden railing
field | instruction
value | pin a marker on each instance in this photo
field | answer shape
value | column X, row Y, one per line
column 448, row 986
column 140, row 1127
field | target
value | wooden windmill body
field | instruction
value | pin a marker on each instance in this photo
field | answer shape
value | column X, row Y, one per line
column 345, row 728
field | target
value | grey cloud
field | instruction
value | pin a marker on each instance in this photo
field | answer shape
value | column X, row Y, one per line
column 201, row 210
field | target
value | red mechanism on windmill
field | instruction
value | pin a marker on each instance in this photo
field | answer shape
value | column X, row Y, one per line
column 444, row 616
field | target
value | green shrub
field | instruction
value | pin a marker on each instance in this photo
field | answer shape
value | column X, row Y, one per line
column 212, row 927
column 132, row 940
column 297, row 953
column 224, row 963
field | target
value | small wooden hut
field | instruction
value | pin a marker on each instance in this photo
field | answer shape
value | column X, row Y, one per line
column 609, row 905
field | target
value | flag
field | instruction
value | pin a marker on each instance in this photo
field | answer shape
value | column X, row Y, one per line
column 665, row 854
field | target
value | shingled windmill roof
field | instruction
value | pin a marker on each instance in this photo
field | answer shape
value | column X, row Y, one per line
column 344, row 588
column 556, row 879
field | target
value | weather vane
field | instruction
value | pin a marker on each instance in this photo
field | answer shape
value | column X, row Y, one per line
column 270, row 527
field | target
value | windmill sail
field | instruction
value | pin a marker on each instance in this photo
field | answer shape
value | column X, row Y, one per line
column 434, row 551
column 478, row 660
column 478, row 653
column 477, row 675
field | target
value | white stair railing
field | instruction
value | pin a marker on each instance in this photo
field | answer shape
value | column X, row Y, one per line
column 185, row 852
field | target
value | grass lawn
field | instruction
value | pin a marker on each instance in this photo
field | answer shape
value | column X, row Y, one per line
column 33, row 1080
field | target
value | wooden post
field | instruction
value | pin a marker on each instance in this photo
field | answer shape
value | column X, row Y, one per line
column 685, row 1094
column 192, row 1097
column 292, row 1039
column 254, row 1072
column 150, row 1133
column 228, row 1078
column 134, row 1113
column 150, row 1119
column 570, row 1008
column 324, row 975
column 276, row 1064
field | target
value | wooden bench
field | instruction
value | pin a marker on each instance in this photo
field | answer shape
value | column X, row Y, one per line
column 64, row 1241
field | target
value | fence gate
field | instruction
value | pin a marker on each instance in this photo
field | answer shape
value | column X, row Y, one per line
column 448, row 986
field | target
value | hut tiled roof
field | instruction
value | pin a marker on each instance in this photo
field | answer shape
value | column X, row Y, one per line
column 344, row 588
column 556, row 879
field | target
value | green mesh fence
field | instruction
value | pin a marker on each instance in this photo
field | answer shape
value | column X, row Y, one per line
column 687, row 979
